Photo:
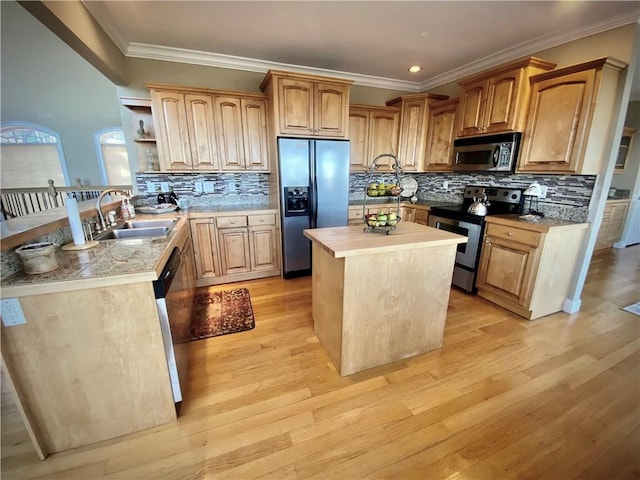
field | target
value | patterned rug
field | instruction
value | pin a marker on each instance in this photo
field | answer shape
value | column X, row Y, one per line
column 221, row 313
column 633, row 308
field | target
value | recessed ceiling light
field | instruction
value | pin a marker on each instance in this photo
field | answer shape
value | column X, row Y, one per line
column 415, row 68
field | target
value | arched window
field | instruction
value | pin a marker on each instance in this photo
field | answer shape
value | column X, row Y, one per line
column 30, row 155
column 112, row 156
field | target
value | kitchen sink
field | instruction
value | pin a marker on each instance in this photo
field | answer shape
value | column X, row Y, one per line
column 136, row 224
column 139, row 229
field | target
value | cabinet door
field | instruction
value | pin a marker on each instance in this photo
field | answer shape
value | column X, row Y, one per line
column 262, row 245
column 254, row 131
column 505, row 269
column 358, row 139
column 172, row 133
column 408, row 214
column 296, row 106
column 471, row 113
column 205, row 250
column 441, row 133
column 383, row 135
column 421, row 216
column 616, row 222
column 330, row 108
column 202, row 141
column 229, row 132
column 556, row 132
column 412, row 137
column 502, row 102
column 234, row 250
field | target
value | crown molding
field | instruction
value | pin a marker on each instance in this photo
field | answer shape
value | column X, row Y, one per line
column 524, row 49
column 197, row 57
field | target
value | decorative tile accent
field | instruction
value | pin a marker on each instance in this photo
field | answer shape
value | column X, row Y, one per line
column 568, row 196
column 228, row 188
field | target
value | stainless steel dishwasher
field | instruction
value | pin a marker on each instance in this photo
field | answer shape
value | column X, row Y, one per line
column 174, row 299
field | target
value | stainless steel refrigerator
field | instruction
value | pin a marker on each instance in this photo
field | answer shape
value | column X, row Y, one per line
column 314, row 193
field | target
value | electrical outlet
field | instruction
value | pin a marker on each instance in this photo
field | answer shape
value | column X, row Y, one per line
column 543, row 190
column 165, row 186
column 198, row 187
column 151, row 187
column 208, row 187
column 445, row 185
column 11, row 312
column 231, row 186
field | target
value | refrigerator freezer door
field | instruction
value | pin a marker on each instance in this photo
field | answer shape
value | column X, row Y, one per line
column 295, row 246
column 294, row 158
column 330, row 185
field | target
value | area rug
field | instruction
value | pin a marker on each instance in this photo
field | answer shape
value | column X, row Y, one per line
column 633, row 308
column 221, row 313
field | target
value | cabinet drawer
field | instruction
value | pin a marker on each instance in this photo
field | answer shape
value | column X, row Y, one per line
column 514, row 234
column 355, row 213
column 421, row 215
column 265, row 219
column 227, row 222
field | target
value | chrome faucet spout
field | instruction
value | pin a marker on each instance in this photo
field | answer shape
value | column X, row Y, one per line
column 99, row 203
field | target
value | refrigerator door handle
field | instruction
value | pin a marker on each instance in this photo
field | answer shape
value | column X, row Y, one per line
column 313, row 191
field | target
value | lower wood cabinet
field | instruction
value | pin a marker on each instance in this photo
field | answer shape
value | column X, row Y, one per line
column 230, row 248
column 613, row 217
column 205, row 248
column 415, row 214
column 526, row 267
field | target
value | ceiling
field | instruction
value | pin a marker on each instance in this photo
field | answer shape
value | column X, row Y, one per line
column 370, row 42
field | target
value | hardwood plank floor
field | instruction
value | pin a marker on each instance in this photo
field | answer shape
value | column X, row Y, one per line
column 555, row 398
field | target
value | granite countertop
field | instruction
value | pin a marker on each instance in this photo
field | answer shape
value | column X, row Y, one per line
column 255, row 207
column 114, row 262
column 543, row 224
column 111, row 262
column 407, row 203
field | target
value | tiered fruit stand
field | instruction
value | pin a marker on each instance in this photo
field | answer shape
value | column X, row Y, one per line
column 375, row 222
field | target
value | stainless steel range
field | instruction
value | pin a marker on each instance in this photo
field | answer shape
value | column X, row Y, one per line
column 455, row 218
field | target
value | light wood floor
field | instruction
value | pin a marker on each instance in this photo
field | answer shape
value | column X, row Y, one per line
column 556, row 398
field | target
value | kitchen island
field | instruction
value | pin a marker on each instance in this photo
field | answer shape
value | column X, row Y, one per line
column 380, row 298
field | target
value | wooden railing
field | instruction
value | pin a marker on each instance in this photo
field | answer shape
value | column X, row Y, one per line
column 17, row 202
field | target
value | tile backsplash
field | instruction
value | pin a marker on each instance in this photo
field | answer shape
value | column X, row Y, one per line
column 227, row 188
column 568, row 196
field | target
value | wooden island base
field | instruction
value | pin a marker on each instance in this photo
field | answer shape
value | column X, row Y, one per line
column 380, row 298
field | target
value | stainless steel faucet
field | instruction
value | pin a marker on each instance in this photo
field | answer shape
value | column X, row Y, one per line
column 99, row 202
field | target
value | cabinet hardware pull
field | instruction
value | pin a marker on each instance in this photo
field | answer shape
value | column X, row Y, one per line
column 509, row 234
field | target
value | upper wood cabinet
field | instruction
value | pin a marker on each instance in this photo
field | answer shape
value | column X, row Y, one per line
column 414, row 123
column 570, row 114
column 308, row 106
column 210, row 130
column 185, row 136
column 440, row 136
column 241, row 126
column 496, row 100
column 372, row 132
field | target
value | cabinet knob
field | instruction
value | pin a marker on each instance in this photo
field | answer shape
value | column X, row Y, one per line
column 262, row 220
column 509, row 234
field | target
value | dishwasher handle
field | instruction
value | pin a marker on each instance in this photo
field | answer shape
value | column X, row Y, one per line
column 162, row 285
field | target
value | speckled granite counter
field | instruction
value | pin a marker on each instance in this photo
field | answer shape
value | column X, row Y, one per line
column 540, row 225
column 115, row 262
column 418, row 204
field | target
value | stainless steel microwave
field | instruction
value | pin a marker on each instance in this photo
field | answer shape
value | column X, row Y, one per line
column 493, row 153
